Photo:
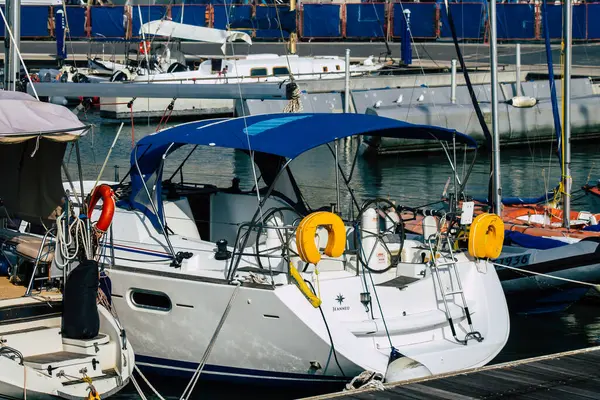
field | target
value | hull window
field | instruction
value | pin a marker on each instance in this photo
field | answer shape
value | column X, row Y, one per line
column 258, row 72
column 277, row 71
column 151, row 300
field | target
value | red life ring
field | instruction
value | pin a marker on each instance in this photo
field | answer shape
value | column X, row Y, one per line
column 144, row 47
column 105, row 193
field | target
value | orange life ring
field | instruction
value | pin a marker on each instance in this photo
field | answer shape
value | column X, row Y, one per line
column 105, row 193
column 144, row 47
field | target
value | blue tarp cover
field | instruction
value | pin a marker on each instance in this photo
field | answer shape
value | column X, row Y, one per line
column 593, row 27
column 592, row 228
column 238, row 14
column 76, row 18
column 149, row 13
column 321, row 21
column 108, row 22
column 365, row 20
column 516, row 21
column 192, row 14
column 34, row 21
column 422, row 19
column 285, row 135
column 513, row 201
column 531, row 242
column 468, row 20
column 555, row 21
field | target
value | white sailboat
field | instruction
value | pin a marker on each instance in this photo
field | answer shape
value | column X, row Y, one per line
column 210, row 281
column 218, row 70
column 55, row 340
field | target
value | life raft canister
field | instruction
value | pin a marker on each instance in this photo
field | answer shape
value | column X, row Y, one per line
column 486, row 236
column 307, row 229
column 144, row 47
column 105, row 193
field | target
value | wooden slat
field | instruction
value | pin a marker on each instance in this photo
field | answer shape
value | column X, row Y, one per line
column 568, row 375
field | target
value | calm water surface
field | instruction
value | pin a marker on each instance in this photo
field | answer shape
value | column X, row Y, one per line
column 410, row 180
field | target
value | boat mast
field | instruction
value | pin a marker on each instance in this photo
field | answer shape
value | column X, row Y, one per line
column 496, row 185
column 566, row 140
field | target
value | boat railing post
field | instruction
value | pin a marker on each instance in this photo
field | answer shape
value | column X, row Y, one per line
column 453, row 81
column 117, row 173
column 518, row 71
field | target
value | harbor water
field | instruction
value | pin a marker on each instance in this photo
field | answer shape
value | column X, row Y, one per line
column 412, row 180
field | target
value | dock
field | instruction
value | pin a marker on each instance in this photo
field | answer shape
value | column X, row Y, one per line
column 568, row 375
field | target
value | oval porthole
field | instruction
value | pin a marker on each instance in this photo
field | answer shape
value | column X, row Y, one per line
column 151, row 300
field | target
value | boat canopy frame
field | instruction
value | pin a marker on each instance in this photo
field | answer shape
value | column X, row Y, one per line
column 284, row 135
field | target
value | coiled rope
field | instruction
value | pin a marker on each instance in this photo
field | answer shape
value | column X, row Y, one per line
column 293, row 94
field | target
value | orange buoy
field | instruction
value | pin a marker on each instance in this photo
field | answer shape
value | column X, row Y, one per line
column 144, row 47
column 105, row 193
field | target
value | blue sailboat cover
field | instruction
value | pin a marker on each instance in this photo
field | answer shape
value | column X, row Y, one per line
column 285, row 135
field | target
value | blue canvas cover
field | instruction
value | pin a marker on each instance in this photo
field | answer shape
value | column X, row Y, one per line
column 236, row 15
column 34, row 21
column 422, row 19
column 108, row 22
column 593, row 15
column 516, row 21
column 555, row 21
column 531, row 242
column 192, row 14
column 76, row 18
column 284, row 135
column 149, row 13
column 321, row 21
column 468, row 19
column 365, row 20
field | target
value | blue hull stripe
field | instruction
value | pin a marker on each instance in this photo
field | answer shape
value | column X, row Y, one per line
column 185, row 368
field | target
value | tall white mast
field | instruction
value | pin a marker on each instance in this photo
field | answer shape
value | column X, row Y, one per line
column 496, row 184
column 566, row 142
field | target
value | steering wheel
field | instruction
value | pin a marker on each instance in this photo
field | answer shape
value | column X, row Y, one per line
column 393, row 227
column 272, row 212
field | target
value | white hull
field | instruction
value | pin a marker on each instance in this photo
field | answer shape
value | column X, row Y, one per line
column 275, row 68
column 276, row 334
column 104, row 359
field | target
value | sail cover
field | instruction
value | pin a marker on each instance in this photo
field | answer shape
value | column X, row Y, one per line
column 177, row 30
column 33, row 139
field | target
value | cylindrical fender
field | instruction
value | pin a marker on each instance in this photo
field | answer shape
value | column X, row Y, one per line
column 486, row 236
column 307, row 229
column 105, row 193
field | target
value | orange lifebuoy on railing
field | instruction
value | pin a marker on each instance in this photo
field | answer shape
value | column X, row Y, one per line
column 144, row 47
column 105, row 193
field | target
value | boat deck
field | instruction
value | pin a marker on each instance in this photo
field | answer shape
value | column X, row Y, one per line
column 569, row 375
column 10, row 291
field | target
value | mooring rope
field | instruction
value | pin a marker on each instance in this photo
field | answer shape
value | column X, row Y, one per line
column 148, row 383
column 595, row 286
column 190, row 387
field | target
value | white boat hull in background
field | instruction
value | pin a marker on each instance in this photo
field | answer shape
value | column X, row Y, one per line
column 108, row 361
